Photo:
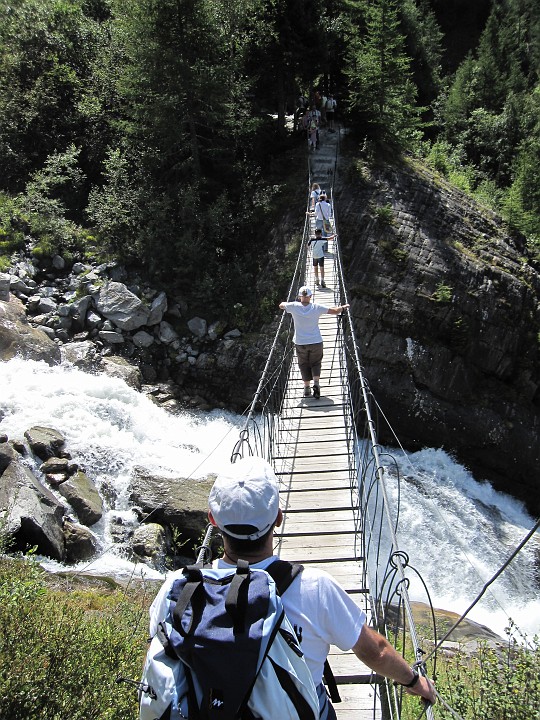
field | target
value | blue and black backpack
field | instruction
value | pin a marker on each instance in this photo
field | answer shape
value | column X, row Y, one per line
column 224, row 649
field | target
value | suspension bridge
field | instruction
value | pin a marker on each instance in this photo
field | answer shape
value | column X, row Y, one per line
column 325, row 453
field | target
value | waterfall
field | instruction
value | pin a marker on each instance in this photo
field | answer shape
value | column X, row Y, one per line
column 457, row 531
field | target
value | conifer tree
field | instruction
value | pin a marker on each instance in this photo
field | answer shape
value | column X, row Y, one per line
column 381, row 90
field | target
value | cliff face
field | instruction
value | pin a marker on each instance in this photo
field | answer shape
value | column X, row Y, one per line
column 446, row 310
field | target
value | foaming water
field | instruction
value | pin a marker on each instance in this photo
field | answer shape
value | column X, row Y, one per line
column 458, row 532
column 110, row 429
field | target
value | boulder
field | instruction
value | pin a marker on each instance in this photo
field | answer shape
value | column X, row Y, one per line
column 167, row 334
column 5, row 282
column 32, row 514
column 82, row 495
column 180, row 503
column 80, row 543
column 7, row 455
column 82, row 354
column 118, row 367
column 157, row 309
column 18, row 338
column 149, row 542
column 45, row 442
column 198, row 326
column 142, row 339
column 118, row 304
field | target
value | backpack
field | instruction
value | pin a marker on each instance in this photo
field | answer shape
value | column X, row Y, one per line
column 225, row 649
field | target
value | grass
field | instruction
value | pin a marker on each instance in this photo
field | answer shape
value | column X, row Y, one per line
column 63, row 647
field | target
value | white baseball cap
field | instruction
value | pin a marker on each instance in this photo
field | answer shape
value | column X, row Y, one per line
column 244, row 500
column 305, row 290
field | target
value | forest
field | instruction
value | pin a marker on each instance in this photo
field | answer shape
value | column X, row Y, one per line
column 154, row 133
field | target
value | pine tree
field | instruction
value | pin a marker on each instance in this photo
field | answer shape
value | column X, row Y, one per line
column 381, row 90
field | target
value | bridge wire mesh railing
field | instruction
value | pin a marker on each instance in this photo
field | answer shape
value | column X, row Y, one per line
column 385, row 567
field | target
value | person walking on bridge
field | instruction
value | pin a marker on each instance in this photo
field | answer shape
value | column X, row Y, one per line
column 308, row 338
column 244, row 505
column 318, row 245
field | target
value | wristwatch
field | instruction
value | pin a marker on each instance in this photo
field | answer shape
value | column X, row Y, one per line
column 416, row 677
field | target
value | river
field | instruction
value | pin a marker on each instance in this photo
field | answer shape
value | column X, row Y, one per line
column 456, row 531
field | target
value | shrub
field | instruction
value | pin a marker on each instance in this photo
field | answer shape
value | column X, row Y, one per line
column 60, row 653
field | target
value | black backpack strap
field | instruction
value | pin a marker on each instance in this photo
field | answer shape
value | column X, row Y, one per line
column 237, row 597
column 283, row 573
column 330, row 682
column 189, row 594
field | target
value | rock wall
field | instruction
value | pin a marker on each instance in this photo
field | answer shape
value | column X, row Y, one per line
column 446, row 311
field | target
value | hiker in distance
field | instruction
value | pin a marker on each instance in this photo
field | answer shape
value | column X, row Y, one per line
column 307, row 336
column 318, row 245
column 244, row 505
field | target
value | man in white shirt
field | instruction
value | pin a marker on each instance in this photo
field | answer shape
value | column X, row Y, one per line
column 308, row 338
column 318, row 243
column 244, row 505
column 323, row 212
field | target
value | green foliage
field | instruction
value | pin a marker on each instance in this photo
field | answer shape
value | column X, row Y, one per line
column 500, row 684
column 381, row 90
column 384, row 214
column 443, row 293
column 60, row 653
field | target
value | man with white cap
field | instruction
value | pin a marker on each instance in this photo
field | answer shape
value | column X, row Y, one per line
column 244, row 505
column 307, row 336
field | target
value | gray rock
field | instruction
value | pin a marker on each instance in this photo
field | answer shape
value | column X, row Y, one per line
column 82, row 495
column 178, row 502
column 233, row 334
column 46, row 305
column 115, row 302
column 58, row 262
column 118, row 367
column 149, row 543
column 167, row 333
column 49, row 331
column 142, row 339
column 216, row 329
column 78, row 268
column 7, row 455
column 18, row 285
column 17, row 337
column 45, row 442
column 81, row 354
column 82, row 305
column 198, row 326
column 5, row 282
column 55, row 465
column 32, row 515
column 111, row 338
column 93, row 320
column 157, row 309
column 80, row 543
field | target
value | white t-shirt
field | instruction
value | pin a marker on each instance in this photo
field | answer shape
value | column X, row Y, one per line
column 306, row 322
column 317, row 248
column 323, row 210
column 321, row 613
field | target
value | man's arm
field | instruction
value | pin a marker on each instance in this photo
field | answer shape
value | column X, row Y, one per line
column 282, row 305
column 377, row 653
column 338, row 309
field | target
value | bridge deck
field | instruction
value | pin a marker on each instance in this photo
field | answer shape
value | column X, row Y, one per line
column 313, row 466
